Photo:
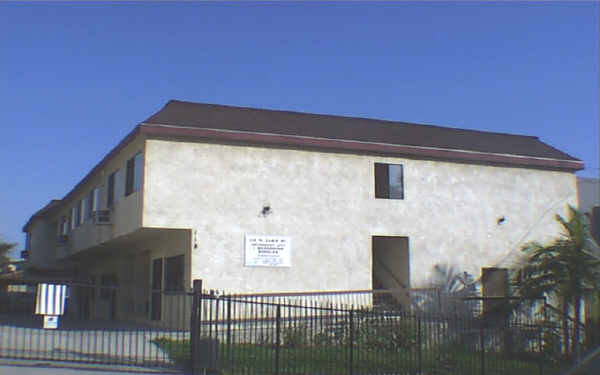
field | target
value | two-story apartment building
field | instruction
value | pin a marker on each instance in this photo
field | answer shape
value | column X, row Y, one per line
column 261, row 200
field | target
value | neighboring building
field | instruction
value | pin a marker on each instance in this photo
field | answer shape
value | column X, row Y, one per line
column 201, row 191
column 588, row 197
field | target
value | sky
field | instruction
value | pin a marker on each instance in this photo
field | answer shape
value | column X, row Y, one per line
column 75, row 78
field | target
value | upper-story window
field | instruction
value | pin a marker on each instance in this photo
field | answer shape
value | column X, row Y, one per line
column 389, row 181
column 92, row 203
column 74, row 216
column 85, row 209
column 96, row 199
column 113, row 188
column 64, row 226
column 133, row 178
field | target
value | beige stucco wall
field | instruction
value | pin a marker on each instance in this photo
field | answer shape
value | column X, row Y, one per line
column 42, row 252
column 325, row 203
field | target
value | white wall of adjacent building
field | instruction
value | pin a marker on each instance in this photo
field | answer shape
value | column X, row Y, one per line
column 588, row 193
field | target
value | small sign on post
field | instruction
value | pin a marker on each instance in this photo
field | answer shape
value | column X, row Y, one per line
column 50, row 302
column 50, row 321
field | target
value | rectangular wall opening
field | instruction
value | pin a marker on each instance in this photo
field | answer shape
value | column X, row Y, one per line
column 391, row 267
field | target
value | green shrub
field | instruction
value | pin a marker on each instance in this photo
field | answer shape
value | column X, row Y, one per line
column 385, row 333
column 295, row 336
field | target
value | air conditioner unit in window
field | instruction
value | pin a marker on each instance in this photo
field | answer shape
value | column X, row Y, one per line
column 102, row 217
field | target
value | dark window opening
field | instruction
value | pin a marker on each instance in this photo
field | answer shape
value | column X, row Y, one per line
column 110, row 193
column 174, row 273
column 108, row 283
column 389, row 181
column 90, row 204
column 133, row 174
column 129, row 177
column 156, row 302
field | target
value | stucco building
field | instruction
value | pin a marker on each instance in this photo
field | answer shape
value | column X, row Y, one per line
column 261, row 200
column 588, row 192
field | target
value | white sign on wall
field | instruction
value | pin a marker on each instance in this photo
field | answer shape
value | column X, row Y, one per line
column 268, row 251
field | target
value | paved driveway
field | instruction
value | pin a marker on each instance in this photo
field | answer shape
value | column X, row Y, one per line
column 97, row 341
column 22, row 367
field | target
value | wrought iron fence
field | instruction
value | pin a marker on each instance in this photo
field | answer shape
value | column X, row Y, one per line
column 244, row 336
column 81, row 336
column 347, row 332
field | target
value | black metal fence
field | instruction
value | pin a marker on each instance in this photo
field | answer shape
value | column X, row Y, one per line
column 241, row 336
column 355, row 332
column 97, row 326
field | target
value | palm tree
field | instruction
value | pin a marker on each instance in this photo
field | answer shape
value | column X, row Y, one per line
column 451, row 285
column 565, row 270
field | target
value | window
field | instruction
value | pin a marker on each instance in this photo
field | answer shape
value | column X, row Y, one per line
column 174, row 273
column 389, row 181
column 90, row 204
column 64, row 226
column 74, row 217
column 85, row 212
column 133, row 177
column 108, row 283
column 79, row 210
column 113, row 188
column 96, row 199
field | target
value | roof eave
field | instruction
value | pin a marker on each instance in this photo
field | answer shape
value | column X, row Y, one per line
column 47, row 209
column 156, row 130
column 124, row 142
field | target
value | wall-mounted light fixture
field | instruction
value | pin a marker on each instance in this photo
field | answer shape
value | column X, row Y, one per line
column 266, row 210
column 500, row 220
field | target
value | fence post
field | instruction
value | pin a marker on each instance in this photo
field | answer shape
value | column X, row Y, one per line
column 229, row 357
column 482, row 345
column 351, row 343
column 541, row 348
column 277, row 338
column 195, row 325
column 419, row 345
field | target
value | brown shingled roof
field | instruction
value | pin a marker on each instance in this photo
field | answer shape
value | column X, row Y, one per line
column 228, row 118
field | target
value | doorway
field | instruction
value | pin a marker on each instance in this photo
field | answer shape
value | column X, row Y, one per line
column 391, row 267
column 156, row 300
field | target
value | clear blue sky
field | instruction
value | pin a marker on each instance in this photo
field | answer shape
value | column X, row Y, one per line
column 75, row 78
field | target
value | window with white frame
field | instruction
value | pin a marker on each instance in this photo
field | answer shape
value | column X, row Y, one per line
column 64, row 226
column 74, row 217
column 96, row 199
column 85, row 209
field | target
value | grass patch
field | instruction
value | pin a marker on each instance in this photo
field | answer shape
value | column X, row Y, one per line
column 179, row 351
column 333, row 359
